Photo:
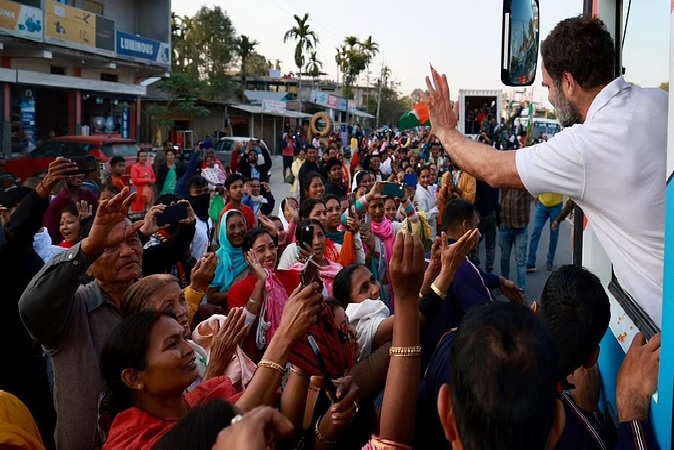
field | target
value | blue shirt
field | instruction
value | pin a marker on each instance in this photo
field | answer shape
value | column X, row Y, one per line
column 470, row 287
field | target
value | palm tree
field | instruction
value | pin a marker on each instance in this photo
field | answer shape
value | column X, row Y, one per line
column 341, row 60
column 244, row 49
column 314, row 66
column 370, row 48
column 306, row 41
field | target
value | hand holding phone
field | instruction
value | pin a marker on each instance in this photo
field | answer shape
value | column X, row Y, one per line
column 328, row 385
column 311, row 273
column 172, row 214
column 395, row 190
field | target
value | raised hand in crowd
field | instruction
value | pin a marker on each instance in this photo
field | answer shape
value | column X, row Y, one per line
column 203, row 272
column 84, row 209
column 104, row 232
column 58, row 170
column 267, row 223
column 191, row 217
column 259, row 429
column 638, row 378
column 255, row 266
column 402, row 382
column 225, row 341
column 150, row 225
column 452, row 255
column 299, row 313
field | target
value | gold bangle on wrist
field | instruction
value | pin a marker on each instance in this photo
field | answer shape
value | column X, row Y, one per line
column 254, row 302
column 405, row 352
column 319, row 435
column 272, row 365
column 437, row 291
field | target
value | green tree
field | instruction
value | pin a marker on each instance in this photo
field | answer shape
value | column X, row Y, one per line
column 258, row 65
column 213, row 37
column 391, row 105
column 183, row 91
column 314, row 67
column 306, row 41
column 353, row 58
column 244, row 49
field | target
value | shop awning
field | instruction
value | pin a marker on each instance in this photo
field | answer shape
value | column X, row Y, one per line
column 254, row 109
column 359, row 113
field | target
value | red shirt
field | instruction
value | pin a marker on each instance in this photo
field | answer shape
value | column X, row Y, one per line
column 137, row 429
column 248, row 215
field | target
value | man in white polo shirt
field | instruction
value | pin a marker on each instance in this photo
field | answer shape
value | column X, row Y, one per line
column 610, row 158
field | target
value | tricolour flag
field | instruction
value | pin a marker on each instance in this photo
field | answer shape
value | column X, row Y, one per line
column 419, row 116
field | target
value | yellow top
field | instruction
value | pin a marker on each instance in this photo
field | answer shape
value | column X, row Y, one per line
column 550, row 200
column 354, row 143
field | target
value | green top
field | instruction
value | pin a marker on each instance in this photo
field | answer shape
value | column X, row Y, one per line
column 170, row 183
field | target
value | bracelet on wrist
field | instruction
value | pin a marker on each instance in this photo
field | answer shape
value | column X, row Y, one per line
column 272, row 365
column 437, row 291
column 319, row 435
column 405, row 352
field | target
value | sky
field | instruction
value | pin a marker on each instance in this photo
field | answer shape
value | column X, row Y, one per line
column 463, row 42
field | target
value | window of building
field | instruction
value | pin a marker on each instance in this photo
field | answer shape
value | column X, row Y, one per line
column 57, row 70
column 110, row 77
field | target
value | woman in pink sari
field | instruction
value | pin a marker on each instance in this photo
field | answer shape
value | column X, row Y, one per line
column 263, row 293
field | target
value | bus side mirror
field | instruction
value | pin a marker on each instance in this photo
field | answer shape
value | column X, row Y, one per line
column 519, row 54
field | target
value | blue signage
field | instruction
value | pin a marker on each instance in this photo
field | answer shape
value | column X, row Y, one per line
column 142, row 48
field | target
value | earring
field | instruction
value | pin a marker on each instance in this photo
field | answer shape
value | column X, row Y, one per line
column 140, row 386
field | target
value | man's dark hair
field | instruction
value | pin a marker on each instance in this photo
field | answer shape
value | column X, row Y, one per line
column 456, row 211
column 503, row 379
column 576, row 311
column 196, row 181
column 583, row 47
column 199, row 429
column 332, row 162
column 117, row 159
column 231, row 179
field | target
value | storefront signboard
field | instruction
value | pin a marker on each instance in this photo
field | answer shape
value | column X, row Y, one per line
column 79, row 29
column 143, row 49
column 21, row 21
column 328, row 100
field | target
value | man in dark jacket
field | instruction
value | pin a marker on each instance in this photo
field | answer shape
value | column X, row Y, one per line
column 252, row 167
column 24, row 374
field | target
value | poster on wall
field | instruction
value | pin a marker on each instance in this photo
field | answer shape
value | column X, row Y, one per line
column 28, row 119
column 79, row 29
column 20, row 20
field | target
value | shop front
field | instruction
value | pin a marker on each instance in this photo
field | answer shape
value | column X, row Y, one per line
column 37, row 113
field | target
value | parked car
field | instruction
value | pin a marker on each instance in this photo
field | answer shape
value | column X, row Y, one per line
column 36, row 162
column 223, row 148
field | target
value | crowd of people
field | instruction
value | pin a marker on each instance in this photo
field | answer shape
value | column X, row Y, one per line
column 180, row 312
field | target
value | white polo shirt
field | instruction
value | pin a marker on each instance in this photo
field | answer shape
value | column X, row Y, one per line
column 613, row 167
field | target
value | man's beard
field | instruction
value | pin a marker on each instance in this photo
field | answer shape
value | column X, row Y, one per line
column 567, row 113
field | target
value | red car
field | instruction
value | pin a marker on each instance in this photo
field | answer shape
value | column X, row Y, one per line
column 36, row 163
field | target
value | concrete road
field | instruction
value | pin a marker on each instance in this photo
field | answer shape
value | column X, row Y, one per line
column 535, row 281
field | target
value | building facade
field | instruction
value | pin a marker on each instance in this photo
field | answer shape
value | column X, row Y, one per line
column 74, row 67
